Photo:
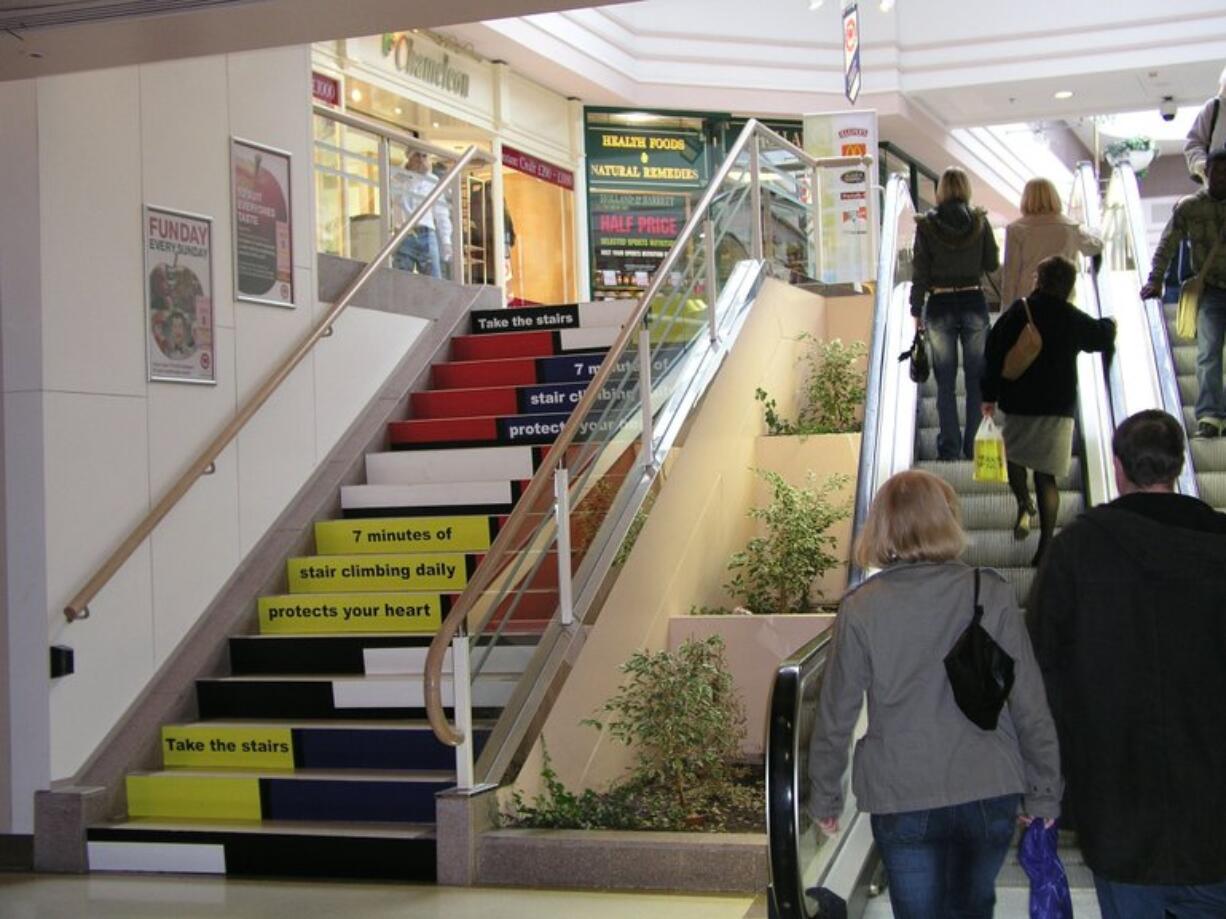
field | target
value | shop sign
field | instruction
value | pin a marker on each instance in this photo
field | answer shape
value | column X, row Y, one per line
column 178, row 282
column 646, row 159
column 260, row 206
column 631, row 234
column 846, row 236
column 851, row 50
column 789, row 130
column 326, row 89
column 530, row 165
column 438, row 72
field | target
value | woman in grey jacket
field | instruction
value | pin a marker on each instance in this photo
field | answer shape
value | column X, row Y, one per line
column 944, row 795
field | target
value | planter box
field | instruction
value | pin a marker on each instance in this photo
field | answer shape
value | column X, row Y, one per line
column 755, row 647
column 618, row 859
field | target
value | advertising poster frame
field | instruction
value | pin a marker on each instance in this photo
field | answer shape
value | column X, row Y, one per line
column 847, row 241
column 178, row 289
column 261, row 237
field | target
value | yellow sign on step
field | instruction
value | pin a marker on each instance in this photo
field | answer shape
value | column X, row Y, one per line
column 340, row 613
column 215, row 797
column 435, row 571
column 204, row 745
column 382, row 535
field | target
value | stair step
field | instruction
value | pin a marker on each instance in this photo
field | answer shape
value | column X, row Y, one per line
column 458, row 498
column 265, row 655
column 372, row 851
column 960, row 474
column 520, row 371
column 316, row 795
column 998, row 510
column 998, row 548
column 435, row 571
column 502, row 345
column 340, row 697
column 390, row 535
column 289, row 747
column 470, row 464
column 558, row 316
column 538, row 398
column 452, row 433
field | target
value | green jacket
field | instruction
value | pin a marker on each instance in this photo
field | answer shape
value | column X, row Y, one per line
column 1201, row 220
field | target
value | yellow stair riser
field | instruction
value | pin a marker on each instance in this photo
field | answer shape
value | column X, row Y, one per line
column 341, row 613
column 386, row 573
column 381, row 536
column 207, row 746
column 211, row 797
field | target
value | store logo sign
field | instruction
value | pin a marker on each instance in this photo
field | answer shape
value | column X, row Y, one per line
column 435, row 71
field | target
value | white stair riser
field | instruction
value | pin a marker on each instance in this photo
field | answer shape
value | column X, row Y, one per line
column 416, row 467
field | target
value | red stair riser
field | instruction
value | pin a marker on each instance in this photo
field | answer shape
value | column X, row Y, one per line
column 509, row 344
column 443, row 430
column 474, row 374
column 464, row 403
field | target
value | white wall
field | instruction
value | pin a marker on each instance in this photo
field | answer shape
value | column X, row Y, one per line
column 90, row 444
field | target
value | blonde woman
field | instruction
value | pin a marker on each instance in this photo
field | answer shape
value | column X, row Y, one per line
column 944, row 795
column 954, row 248
column 1042, row 231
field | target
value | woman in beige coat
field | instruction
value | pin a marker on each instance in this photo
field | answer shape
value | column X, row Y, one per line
column 1042, row 231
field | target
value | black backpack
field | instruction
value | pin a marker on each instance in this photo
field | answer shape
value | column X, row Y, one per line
column 980, row 671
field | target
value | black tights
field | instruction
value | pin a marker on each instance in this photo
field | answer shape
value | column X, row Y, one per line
column 1048, row 494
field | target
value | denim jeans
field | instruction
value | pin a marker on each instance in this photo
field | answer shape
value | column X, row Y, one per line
column 951, row 318
column 1210, row 328
column 1143, row 901
column 942, row 863
column 419, row 252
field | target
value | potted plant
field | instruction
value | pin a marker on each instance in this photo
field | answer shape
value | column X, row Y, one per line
column 1137, row 152
column 831, row 395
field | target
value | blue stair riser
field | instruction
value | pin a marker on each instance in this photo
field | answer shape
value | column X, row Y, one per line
column 338, row 655
column 371, row 748
column 333, row 800
column 291, row 700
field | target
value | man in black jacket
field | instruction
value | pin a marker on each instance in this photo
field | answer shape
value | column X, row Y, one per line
column 1128, row 619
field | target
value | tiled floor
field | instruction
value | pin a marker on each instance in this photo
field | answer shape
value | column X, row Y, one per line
column 169, row 897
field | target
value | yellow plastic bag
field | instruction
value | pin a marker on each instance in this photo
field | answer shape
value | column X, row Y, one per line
column 990, row 464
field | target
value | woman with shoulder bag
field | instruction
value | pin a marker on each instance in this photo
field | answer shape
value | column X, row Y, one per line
column 944, row 794
column 1038, row 390
column 954, row 247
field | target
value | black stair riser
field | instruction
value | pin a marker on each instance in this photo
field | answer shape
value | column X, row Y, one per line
column 340, row 655
column 292, row 700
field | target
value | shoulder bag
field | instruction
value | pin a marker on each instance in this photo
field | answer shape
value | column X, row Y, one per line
column 1189, row 297
column 918, row 355
column 980, row 671
column 1023, row 352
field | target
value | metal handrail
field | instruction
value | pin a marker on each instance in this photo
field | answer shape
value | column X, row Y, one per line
column 1168, row 379
column 78, row 606
column 543, row 479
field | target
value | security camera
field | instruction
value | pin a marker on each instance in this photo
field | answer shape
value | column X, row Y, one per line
column 1167, row 108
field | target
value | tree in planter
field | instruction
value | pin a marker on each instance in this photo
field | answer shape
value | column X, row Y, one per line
column 775, row 572
column 833, row 390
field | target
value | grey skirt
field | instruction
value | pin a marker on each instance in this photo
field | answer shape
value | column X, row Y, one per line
column 1043, row 443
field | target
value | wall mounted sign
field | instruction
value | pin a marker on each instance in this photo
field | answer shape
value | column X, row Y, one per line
column 646, row 159
column 439, row 72
column 178, row 265
column 325, row 88
column 530, row 165
column 631, row 233
column 851, row 51
column 262, row 215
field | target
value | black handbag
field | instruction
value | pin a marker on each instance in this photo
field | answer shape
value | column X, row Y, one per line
column 918, row 356
column 980, row 671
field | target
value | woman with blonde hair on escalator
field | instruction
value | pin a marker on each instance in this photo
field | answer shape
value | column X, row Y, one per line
column 1042, row 231
column 944, row 793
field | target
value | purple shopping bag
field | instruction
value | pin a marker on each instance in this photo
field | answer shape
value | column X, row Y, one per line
column 1049, row 893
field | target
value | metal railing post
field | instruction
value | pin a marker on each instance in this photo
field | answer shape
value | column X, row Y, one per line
column 649, row 461
column 755, row 196
column 712, row 278
column 462, row 693
column 561, row 510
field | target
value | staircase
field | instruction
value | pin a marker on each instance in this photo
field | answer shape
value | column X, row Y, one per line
column 989, row 510
column 1208, row 455
column 312, row 758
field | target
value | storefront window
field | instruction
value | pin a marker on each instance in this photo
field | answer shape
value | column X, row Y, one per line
column 347, row 183
column 538, row 230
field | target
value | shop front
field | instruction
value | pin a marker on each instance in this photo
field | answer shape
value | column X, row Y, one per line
column 379, row 100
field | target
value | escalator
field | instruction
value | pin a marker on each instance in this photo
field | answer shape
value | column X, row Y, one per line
column 812, row 876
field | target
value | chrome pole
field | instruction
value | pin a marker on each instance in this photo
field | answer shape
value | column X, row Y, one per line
column 461, row 687
column 561, row 510
column 755, row 195
column 645, row 398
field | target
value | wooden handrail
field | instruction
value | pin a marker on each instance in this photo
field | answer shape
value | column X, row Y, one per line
column 78, row 606
column 456, row 618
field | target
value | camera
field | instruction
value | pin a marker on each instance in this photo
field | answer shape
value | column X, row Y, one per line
column 1167, row 108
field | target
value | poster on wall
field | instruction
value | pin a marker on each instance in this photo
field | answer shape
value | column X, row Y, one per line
column 178, row 264
column 631, row 233
column 847, row 237
column 261, row 208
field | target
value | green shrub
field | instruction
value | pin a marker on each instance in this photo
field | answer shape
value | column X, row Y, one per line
column 833, row 390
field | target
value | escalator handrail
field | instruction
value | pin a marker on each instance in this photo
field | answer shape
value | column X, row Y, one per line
column 895, row 190
column 1164, row 360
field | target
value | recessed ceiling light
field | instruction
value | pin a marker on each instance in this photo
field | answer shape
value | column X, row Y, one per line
column 815, row 4
column 398, row 110
column 355, row 94
column 887, row 5
column 435, row 124
column 1064, row 94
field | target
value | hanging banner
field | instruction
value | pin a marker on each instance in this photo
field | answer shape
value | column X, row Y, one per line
column 851, row 51
column 178, row 264
column 261, row 209
column 845, row 241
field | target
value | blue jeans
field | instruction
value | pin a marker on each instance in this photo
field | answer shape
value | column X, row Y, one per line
column 942, row 863
column 951, row 318
column 1143, row 901
column 419, row 252
column 1210, row 329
